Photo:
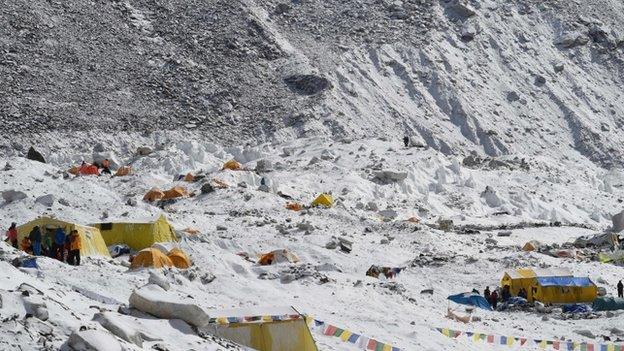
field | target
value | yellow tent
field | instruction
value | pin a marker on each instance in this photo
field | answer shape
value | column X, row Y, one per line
column 526, row 278
column 275, row 329
column 232, row 165
column 179, row 258
column 150, row 257
column 564, row 290
column 325, row 200
column 137, row 235
column 531, row 246
column 91, row 239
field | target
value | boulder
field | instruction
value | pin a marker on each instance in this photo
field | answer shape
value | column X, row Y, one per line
column 372, row 206
column 263, row 166
column 462, row 9
column 491, row 198
column 154, row 300
column 46, row 200
column 389, row 177
column 307, row 84
column 13, row 195
column 99, row 157
column 618, row 222
column 207, row 188
column 144, row 151
column 388, row 213
column 93, row 340
column 572, row 39
column 469, row 30
column 327, row 155
column 35, row 155
column 124, row 328
column 158, row 279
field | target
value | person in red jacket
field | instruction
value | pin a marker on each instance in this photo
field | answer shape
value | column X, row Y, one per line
column 12, row 235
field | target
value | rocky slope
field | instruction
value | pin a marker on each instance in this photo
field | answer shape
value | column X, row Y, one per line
column 496, row 77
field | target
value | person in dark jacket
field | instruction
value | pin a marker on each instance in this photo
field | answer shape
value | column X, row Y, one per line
column 523, row 293
column 35, row 239
column 57, row 245
column 12, row 235
column 506, row 294
column 494, row 299
column 620, row 288
column 406, row 141
column 486, row 293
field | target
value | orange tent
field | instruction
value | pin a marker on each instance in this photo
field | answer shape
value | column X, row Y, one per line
column 277, row 256
column 179, row 258
column 232, row 165
column 88, row 169
column 189, row 177
column 150, row 257
column 175, row 192
column 293, row 206
column 123, row 171
column 413, row 220
column 153, row 195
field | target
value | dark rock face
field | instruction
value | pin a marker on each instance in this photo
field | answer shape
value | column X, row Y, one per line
column 35, row 155
column 307, row 84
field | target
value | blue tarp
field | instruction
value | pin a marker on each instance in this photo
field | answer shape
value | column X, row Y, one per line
column 576, row 308
column 564, row 281
column 471, row 299
column 29, row 263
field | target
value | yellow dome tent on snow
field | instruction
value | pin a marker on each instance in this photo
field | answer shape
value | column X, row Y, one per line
column 179, row 258
column 150, row 257
column 324, row 200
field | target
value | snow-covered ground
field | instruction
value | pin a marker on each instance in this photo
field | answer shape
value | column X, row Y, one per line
column 328, row 283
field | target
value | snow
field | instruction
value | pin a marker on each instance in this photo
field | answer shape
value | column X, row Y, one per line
column 399, row 315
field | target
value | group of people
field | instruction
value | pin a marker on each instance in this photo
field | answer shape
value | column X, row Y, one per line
column 498, row 294
column 55, row 244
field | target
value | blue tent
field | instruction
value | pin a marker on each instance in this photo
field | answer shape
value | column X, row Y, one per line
column 564, row 281
column 471, row 299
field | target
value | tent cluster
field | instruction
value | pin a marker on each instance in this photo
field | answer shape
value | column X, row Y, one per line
column 155, row 194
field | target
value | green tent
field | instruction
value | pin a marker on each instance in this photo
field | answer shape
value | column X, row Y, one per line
column 608, row 303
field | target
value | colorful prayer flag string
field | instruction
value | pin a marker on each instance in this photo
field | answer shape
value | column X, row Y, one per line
column 540, row 343
column 361, row 341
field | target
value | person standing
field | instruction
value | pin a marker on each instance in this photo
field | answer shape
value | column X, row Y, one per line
column 106, row 166
column 494, row 299
column 406, row 141
column 620, row 288
column 74, row 248
column 35, row 240
column 46, row 245
column 486, row 293
column 59, row 242
column 12, row 235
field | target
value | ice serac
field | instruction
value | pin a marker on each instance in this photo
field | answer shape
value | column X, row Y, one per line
column 154, row 300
